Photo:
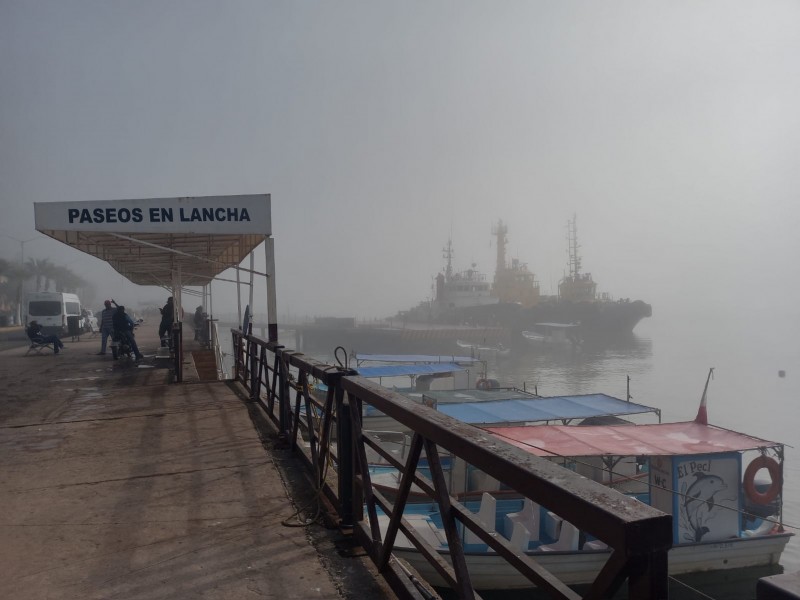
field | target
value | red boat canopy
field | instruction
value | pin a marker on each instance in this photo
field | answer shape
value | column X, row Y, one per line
column 660, row 439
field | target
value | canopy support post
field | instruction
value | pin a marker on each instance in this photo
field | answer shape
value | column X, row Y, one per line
column 252, row 265
column 272, row 304
column 239, row 299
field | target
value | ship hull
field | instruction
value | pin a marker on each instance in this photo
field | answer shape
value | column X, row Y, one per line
column 597, row 320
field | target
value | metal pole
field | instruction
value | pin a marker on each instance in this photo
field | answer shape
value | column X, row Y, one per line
column 19, row 287
column 239, row 299
column 344, row 443
column 210, row 301
column 272, row 304
column 252, row 265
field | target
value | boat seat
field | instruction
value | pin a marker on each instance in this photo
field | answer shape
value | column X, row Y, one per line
column 520, row 537
column 552, row 525
column 486, row 515
column 568, row 539
column 528, row 516
column 595, row 545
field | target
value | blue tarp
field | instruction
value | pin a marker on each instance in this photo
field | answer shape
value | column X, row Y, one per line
column 552, row 408
column 398, row 370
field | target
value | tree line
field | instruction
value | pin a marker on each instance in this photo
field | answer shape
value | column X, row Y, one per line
column 47, row 275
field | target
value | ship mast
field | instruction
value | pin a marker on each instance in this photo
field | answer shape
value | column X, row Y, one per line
column 500, row 231
column 448, row 254
column 574, row 258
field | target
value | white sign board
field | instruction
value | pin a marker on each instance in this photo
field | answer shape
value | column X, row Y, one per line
column 208, row 214
column 707, row 506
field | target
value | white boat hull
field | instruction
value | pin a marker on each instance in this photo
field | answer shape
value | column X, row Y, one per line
column 491, row 572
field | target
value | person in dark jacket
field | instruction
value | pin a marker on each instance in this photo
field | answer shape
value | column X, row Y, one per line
column 106, row 324
column 123, row 328
column 35, row 334
column 167, row 316
column 200, row 327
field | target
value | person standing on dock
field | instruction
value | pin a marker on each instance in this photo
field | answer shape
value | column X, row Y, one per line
column 106, row 325
column 200, row 331
column 167, row 316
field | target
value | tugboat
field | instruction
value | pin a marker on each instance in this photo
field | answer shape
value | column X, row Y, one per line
column 513, row 299
column 463, row 289
column 578, row 302
column 513, row 282
column 577, row 286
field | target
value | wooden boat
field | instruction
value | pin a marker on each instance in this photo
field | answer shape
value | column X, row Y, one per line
column 478, row 350
column 553, row 334
column 723, row 518
column 501, row 407
column 573, row 563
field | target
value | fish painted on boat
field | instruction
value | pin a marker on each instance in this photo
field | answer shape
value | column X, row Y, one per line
column 698, row 503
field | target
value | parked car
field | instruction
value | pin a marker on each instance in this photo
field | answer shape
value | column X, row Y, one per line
column 89, row 322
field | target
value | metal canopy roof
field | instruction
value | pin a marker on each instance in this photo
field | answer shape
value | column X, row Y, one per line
column 152, row 241
column 660, row 439
column 530, row 410
column 151, row 258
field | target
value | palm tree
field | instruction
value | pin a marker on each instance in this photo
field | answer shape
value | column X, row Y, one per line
column 51, row 271
column 7, row 290
column 42, row 270
column 12, row 276
column 66, row 280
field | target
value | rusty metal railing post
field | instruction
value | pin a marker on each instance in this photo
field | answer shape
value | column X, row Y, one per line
column 253, row 363
column 284, row 397
column 236, row 341
column 177, row 349
column 647, row 576
column 344, row 447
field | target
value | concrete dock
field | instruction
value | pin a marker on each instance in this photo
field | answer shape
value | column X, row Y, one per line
column 117, row 483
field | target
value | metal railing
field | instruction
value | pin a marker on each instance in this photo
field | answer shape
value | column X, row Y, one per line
column 176, row 339
column 219, row 354
column 325, row 429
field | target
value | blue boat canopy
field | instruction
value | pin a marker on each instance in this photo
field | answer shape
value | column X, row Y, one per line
column 551, row 408
column 412, row 369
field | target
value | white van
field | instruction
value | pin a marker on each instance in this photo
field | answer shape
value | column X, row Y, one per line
column 52, row 311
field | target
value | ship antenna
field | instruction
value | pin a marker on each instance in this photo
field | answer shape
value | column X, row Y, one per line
column 702, row 415
column 500, row 231
column 574, row 258
column 448, row 254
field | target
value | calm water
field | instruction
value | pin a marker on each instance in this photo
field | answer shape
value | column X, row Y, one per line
column 668, row 361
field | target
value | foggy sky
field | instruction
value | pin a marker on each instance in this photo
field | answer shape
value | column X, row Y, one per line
column 383, row 128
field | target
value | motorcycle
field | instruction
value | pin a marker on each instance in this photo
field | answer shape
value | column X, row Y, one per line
column 120, row 345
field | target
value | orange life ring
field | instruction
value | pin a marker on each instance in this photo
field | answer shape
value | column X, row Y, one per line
column 748, row 481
